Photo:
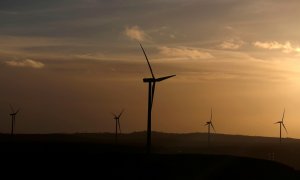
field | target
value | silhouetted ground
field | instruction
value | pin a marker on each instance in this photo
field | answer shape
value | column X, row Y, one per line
column 174, row 157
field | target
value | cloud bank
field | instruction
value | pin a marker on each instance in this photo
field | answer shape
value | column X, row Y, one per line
column 274, row 45
column 26, row 63
column 184, row 52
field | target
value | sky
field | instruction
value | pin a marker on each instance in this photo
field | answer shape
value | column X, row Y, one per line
column 69, row 64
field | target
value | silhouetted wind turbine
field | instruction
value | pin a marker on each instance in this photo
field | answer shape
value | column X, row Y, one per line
column 151, row 81
column 281, row 124
column 117, row 118
column 209, row 124
column 13, row 118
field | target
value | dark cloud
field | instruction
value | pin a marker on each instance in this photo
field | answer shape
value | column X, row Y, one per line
column 68, row 17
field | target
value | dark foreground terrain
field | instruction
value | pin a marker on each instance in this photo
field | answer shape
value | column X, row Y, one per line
column 114, row 165
column 90, row 156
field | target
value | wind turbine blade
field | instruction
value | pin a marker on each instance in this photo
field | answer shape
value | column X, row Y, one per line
column 284, row 128
column 147, row 61
column 283, row 115
column 121, row 113
column 212, row 126
column 277, row 122
column 114, row 115
column 153, row 89
column 164, row 78
column 210, row 114
column 119, row 125
column 18, row 110
column 12, row 109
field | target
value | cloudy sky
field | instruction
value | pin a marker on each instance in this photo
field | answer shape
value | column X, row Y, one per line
column 69, row 63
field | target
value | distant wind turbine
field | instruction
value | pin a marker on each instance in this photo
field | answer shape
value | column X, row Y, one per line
column 13, row 118
column 151, row 81
column 281, row 124
column 209, row 124
column 117, row 119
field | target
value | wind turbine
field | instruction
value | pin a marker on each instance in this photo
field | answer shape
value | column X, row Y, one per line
column 151, row 81
column 209, row 124
column 13, row 118
column 117, row 118
column 281, row 124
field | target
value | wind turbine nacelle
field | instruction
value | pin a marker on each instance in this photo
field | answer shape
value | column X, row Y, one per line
column 149, row 80
column 157, row 79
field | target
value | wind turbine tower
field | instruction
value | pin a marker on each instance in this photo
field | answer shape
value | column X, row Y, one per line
column 209, row 124
column 118, row 126
column 151, row 84
column 13, row 118
column 281, row 123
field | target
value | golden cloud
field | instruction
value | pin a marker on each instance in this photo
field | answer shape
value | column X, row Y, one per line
column 136, row 33
column 25, row 63
column 184, row 52
column 274, row 45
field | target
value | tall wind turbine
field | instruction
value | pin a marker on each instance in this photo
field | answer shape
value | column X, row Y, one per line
column 151, row 81
column 209, row 124
column 13, row 118
column 281, row 124
column 117, row 119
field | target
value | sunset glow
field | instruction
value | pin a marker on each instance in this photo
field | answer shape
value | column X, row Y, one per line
column 69, row 64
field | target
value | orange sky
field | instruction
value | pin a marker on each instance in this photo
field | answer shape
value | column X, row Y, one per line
column 69, row 64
